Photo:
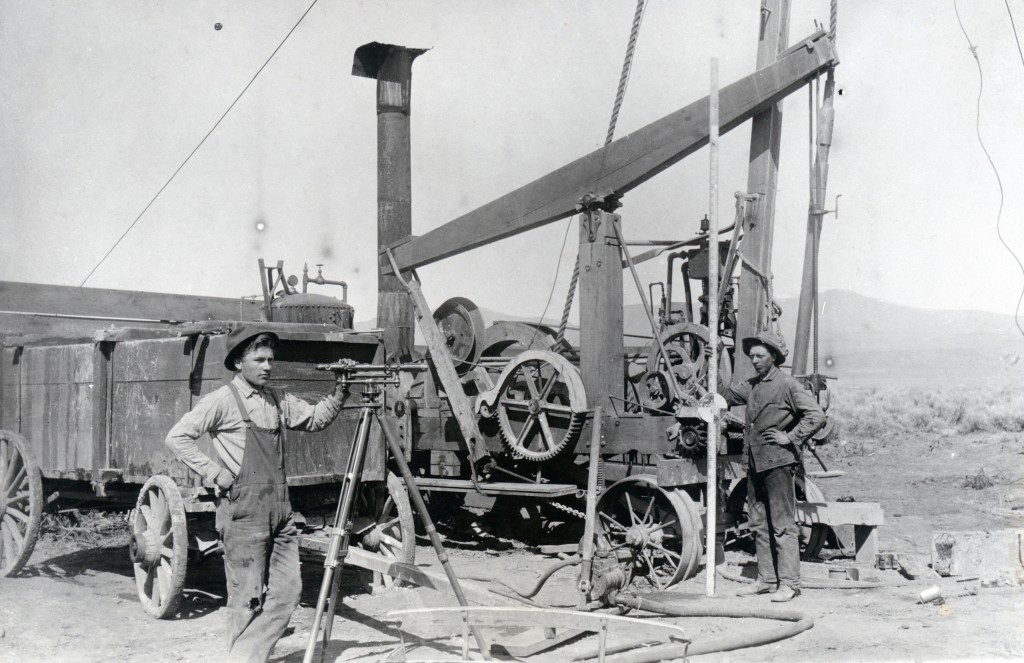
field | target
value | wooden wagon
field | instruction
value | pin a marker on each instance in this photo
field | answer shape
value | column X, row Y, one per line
column 85, row 408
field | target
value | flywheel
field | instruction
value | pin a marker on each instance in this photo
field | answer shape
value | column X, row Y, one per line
column 540, row 403
column 462, row 326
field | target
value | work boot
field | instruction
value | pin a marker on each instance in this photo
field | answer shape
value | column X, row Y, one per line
column 757, row 588
column 785, row 593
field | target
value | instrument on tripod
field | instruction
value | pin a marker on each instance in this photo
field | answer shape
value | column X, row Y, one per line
column 374, row 378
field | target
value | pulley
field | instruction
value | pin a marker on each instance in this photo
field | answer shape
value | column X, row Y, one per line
column 462, row 326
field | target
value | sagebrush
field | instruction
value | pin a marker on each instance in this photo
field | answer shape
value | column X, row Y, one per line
column 880, row 411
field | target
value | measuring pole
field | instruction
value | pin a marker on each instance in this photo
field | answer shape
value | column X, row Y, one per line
column 713, row 308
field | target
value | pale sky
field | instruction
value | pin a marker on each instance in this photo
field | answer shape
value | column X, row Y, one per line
column 101, row 101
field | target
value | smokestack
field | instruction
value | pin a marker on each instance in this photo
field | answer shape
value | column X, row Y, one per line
column 391, row 66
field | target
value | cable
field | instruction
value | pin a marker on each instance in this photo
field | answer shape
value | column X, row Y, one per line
column 999, row 181
column 196, row 149
column 554, row 282
column 1014, row 26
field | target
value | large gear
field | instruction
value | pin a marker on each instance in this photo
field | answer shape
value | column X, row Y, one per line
column 540, row 403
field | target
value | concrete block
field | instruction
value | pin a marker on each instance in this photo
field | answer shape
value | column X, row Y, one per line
column 990, row 555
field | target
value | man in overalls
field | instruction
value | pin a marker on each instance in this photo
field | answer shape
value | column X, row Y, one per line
column 780, row 416
column 246, row 420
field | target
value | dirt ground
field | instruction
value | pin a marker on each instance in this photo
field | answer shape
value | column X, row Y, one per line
column 80, row 605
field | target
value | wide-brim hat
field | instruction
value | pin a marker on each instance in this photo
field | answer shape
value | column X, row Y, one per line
column 775, row 344
column 237, row 340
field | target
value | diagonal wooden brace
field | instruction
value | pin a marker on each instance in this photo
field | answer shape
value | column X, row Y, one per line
column 461, row 406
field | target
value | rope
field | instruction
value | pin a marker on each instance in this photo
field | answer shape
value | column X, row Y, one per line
column 833, row 19
column 196, row 148
column 995, row 171
column 620, row 95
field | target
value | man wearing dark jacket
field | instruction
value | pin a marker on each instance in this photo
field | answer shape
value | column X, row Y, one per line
column 780, row 416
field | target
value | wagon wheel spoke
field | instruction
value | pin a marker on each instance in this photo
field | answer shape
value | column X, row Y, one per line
column 514, row 404
column 14, row 531
column 647, row 512
column 388, row 524
column 19, row 479
column 147, row 516
column 661, row 526
column 667, row 552
column 19, row 514
column 153, row 583
column 390, row 540
column 611, row 521
column 632, row 512
column 18, row 498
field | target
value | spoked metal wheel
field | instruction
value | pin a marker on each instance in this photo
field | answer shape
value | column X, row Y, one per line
column 655, row 532
column 159, row 546
column 21, row 502
column 812, row 537
column 384, row 522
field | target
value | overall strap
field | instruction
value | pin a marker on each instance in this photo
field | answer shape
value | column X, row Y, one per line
column 241, row 406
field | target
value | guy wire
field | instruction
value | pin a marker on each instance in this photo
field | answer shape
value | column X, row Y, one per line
column 196, row 148
column 999, row 181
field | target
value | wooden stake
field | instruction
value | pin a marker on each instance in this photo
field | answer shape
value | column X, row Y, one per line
column 713, row 308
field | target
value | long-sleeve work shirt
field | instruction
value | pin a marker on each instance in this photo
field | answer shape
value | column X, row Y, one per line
column 776, row 401
column 217, row 414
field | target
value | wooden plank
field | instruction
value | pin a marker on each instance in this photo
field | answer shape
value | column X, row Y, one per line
column 101, row 368
column 122, row 304
column 840, row 513
column 57, row 405
column 620, row 166
column 142, row 414
column 153, row 360
column 10, row 389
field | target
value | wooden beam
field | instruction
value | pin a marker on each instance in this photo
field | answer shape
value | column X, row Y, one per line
column 622, row 165
column 119, row 305
column 840, row 513
column 762, row 179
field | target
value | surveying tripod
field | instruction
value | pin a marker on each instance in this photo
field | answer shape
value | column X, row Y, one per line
column 373, row 378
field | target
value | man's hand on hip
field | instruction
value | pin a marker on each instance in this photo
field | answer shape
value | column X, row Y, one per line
column 776, row 436
column 224, row 479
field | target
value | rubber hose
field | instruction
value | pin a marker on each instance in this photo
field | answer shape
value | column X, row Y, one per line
column 798, row 623
column 544, row 577
column 815, row 584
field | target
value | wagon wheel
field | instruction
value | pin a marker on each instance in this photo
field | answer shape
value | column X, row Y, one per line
column 655, row 532
column 812, row 537
column 21, row 502
column 385, row 523
column 540, row 404
column 159, row 546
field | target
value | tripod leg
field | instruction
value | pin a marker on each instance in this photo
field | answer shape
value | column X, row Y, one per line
column 421, row 509
column 338, row 548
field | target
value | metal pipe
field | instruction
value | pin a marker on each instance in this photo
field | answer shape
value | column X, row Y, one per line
column 391, row 66
column 711, row 492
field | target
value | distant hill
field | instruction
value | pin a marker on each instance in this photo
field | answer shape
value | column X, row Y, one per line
column 867, row 341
